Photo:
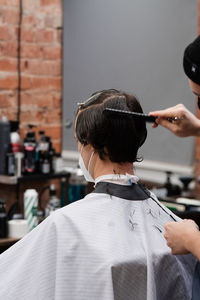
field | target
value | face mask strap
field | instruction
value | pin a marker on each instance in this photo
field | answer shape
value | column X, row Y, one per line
column 82, row 148
column 89, row 163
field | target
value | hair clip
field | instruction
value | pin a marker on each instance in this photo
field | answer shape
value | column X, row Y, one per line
column 89, row 100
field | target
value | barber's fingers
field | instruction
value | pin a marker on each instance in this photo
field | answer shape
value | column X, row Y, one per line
column 163, row 114
column 191, row 223
column 171, row 112
column 174, row 127
column 169, row 243
column 169, row 224
column 154, row 125
column 166, row 236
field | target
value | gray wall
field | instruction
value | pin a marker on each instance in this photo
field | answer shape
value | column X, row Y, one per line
column 136, row 46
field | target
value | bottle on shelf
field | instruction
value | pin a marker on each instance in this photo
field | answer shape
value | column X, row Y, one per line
column 15, row 142
column 63, row 192
column 10, row 162
column 51, row 151
column 57, row 163
column 19, row 163
column 186, row 180
column 53, row 203
column 30, row 208
column 77, row 186
column 172, row 189
column 4, row 143
column 29, row 151
column 45, row 167
column 44, row 154
column 15, row 136
column 39, row 149
column 3, row 220
column 41, row 216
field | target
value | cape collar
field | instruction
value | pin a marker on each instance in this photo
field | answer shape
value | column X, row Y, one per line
column 127, row 192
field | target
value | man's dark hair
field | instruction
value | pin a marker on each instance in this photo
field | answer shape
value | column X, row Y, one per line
column 191, row 60
column 114, row 136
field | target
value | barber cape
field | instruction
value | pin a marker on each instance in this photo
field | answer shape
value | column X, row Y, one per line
column 107, row 246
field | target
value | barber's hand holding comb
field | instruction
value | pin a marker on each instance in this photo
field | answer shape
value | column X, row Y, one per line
column 178, row 119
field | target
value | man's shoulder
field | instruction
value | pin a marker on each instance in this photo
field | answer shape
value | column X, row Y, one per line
column 86, row 206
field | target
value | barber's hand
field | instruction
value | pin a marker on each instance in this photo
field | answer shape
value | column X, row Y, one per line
column 180, row 236
column 178, row 119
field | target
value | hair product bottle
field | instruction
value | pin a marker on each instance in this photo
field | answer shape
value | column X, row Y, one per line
column 4, row 143
column 53, row 203
column 3, row 220
column 29, row 151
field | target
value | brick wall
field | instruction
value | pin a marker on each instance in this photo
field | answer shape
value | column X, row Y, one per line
column 41, row 64
column 41, row 70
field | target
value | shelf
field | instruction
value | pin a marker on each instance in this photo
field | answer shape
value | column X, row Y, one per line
column 8, row 241
column 8, row 179
column 12, row 180
column 35, row 177
column 182, row 202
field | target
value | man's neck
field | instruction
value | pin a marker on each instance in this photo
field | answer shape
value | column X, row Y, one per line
column 105, row 167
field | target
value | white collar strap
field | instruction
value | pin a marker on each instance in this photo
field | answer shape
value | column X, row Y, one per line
column 127, row 179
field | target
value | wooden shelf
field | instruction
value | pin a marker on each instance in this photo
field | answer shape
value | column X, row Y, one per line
column 8, row 241
column 8, row 179
column 12, row 180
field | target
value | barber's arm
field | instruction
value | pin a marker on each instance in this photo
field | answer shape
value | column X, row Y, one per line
column 183, row 237
column 179, row 120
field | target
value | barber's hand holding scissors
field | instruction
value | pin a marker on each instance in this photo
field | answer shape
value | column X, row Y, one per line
column 183, row 237
column 178, row 119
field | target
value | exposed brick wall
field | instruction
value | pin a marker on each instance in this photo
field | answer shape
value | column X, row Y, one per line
column 41, row 64
column 41, row 73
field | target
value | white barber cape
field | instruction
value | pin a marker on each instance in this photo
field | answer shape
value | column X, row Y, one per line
column 107, row 246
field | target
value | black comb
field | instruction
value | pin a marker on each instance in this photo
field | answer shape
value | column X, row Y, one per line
column 144, row 117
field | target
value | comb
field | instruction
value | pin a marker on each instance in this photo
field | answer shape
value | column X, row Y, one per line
column 119, row 112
